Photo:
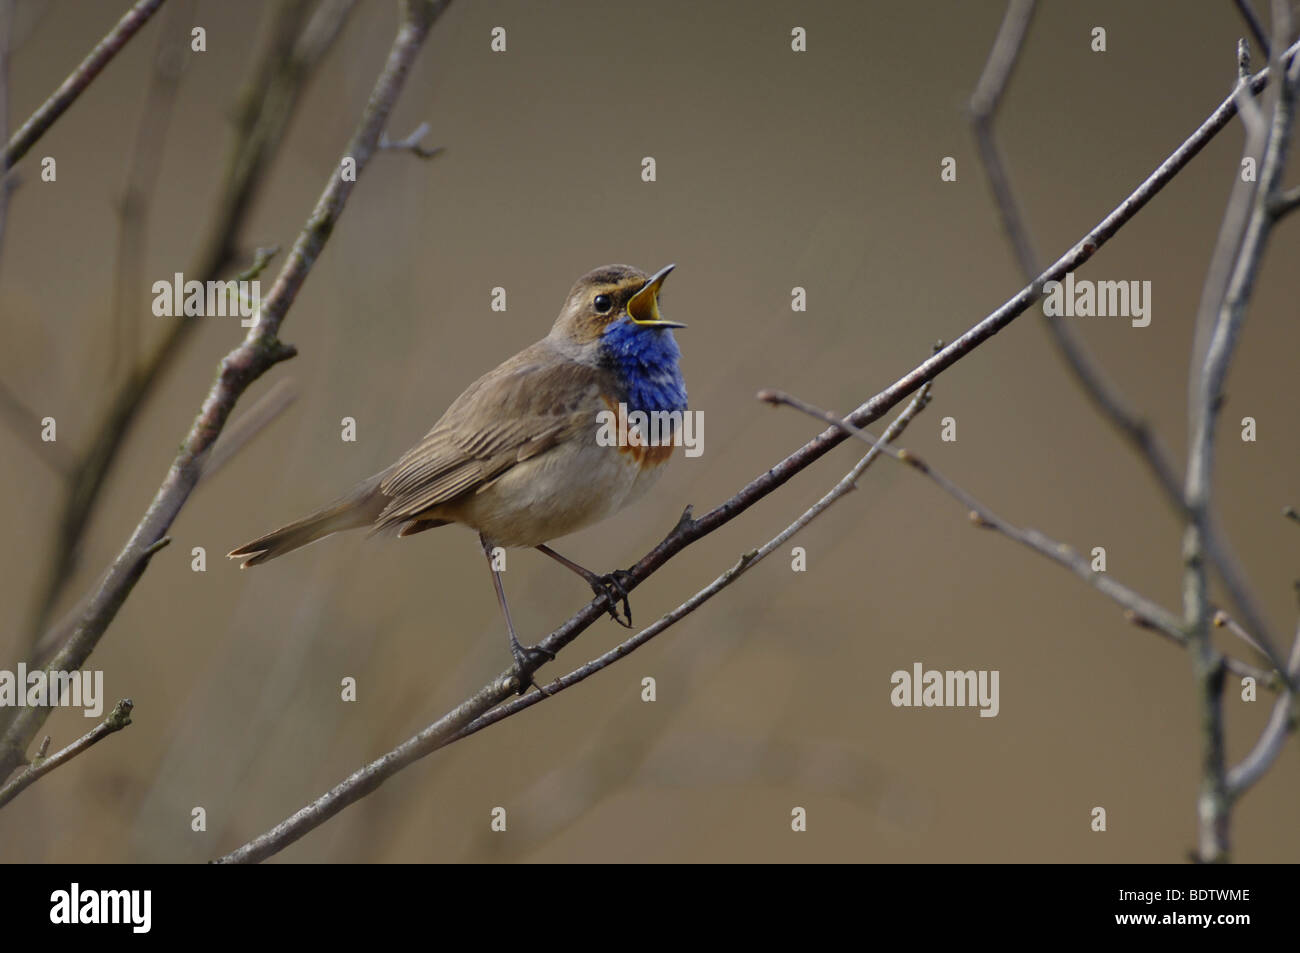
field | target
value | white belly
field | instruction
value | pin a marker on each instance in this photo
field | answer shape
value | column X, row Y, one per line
column 555, row 494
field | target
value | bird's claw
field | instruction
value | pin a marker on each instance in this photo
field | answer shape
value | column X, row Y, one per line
column 528, row 659
column 613, row 586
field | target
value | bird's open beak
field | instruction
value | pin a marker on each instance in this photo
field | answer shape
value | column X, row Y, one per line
column 643, row 307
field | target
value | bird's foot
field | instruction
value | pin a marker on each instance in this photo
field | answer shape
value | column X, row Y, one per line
column 528, row 659
column 613, row 586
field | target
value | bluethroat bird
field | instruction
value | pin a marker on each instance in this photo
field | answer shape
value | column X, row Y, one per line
column 516, row 457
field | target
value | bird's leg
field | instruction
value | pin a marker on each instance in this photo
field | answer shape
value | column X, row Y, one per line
column 612, row 585
column 528, row 658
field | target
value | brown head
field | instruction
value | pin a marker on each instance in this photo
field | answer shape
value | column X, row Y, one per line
column 606, row 295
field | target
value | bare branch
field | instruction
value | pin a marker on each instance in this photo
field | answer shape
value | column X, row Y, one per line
column 77, row 82
column 412, row 143
column 1213, row 804
column 258, row 352
column 117, row 719
column 1149, row 613
column 1284, row 203
column 1222, row 620
column 267, row 104
column 1270, row 680
column 984, row 105
column 1281, row 722
column 141, row 179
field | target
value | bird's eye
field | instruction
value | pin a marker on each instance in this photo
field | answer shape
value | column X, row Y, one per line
column 602, row 303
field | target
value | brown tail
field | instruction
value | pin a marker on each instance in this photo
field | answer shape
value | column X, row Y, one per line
column 360, row 507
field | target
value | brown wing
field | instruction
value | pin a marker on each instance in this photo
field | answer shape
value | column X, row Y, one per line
column 515, row 412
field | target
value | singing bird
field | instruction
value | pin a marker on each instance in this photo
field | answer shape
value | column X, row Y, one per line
column 516, row 456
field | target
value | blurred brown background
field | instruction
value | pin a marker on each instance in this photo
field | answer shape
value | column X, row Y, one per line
column 774, row 170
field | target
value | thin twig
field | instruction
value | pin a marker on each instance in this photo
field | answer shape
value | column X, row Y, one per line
column 984, row 103
column 1281, row 722
column 77, row 82
column 267, row 104
column 260, row 350
column 1285, row 202
column 412, row 143
column 1139, row 610
column 140, row 181
column 1273, row 680
column 1146, row 612
column 1265, row 677
column 1252, row 22
column 237, row 434
column 1222, row 620
column 117, row 719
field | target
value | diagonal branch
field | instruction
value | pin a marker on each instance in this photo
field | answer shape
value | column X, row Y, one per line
column 77, row 82
column 136, row 198
column 413, row 143
column 258, row 352
column 984, row 104
column 1281, row 722
column 117, row 719
column 238, row 433
column 1140, row 609
column 267, row 104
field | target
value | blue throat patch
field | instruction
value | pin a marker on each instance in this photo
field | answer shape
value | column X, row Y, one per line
column 646, row 360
